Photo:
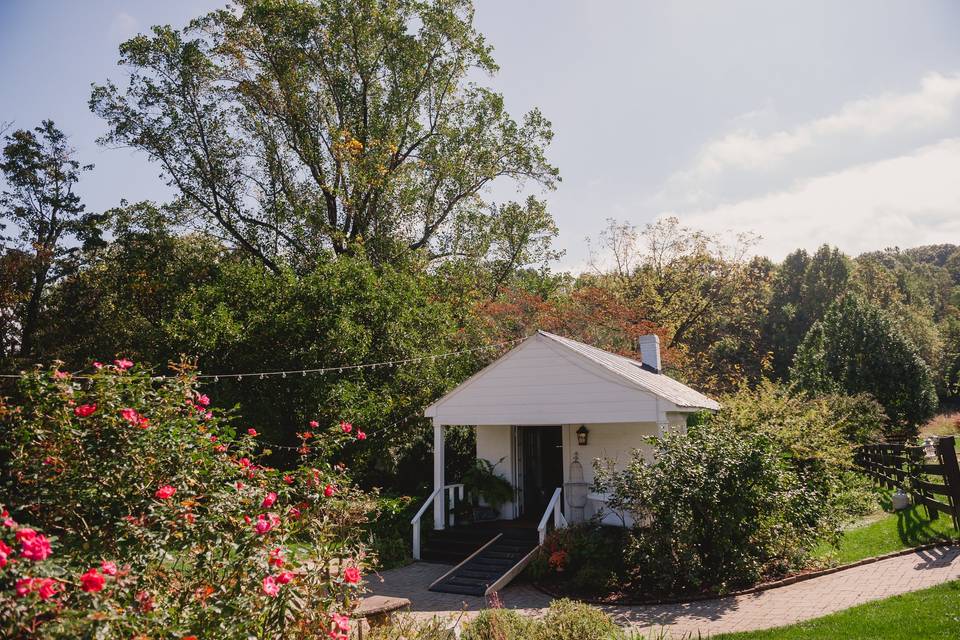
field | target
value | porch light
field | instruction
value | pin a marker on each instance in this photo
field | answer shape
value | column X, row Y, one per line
column 582, row 434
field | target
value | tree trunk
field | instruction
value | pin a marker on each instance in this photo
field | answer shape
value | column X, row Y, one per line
column 32, row 316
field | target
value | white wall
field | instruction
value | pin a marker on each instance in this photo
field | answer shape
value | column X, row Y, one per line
column 615, row 441
column 495, row 442
column 541, row 383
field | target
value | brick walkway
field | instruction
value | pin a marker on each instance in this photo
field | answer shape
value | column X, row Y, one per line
column 773, row 608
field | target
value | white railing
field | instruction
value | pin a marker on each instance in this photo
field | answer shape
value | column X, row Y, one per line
column 449, row 495
column 553, row 507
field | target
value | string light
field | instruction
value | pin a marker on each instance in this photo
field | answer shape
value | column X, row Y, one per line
column 262, row 375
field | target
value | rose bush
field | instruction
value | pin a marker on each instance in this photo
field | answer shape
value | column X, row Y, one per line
column 136, row 511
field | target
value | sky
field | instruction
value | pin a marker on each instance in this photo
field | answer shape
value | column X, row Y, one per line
column 806, row 122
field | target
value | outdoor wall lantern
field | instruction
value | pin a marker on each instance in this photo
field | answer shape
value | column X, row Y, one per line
column 582, row 434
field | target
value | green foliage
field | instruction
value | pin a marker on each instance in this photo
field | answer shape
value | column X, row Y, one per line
column 303, row 127
column 717, row 509
column 803, row 288
column 570, row 620
column 856, row 348
column 41, row 173
column 499, row 624
column 587, row 559
column 205, row 539
column 155, row 296
column 389, row 527
column 482, row 482
column 564, row 620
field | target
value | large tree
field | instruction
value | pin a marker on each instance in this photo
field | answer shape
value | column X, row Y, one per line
column 48, row 220
column 302, row 126
column 803, row 288
column 857, row 348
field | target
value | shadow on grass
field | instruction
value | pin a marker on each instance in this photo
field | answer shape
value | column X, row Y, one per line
column 915, row 530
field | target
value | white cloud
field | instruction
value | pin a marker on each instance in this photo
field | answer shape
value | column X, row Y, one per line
column 931, row 106
column 908, row 200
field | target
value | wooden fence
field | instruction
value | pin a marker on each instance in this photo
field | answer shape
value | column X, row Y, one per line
column 933, row 481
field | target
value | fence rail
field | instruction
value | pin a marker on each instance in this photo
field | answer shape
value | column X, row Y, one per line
column 935, row 485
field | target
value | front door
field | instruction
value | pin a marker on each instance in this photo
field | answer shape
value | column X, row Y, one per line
column 540, row 468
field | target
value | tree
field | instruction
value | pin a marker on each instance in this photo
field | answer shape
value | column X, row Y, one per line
column 802, row 290
column 857, row 348
column 301, row 127
column 40, row 173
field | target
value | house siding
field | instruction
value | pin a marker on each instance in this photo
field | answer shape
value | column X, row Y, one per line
column 540, row 384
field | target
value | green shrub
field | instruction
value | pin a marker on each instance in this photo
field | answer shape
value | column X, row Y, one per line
column 569, row 620
column 390, row 532
column 587, row 557
column 725, row 508
column 499, row 624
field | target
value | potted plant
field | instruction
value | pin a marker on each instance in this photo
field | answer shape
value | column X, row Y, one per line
column 483, row 484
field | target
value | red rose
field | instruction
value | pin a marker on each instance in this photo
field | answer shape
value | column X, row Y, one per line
column 92, row 581
column 84, row 410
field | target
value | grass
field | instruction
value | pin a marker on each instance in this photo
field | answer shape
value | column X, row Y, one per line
column 931, row 614
column 891, row 532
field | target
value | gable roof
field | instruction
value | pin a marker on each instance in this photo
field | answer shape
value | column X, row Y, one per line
column 637, row 375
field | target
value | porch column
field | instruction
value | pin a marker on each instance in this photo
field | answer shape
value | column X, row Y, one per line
column 439, row 503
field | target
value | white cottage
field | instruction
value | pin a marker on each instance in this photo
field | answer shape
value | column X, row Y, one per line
column 528, row 406
column 545, row 404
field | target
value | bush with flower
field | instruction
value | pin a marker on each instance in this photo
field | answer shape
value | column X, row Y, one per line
column 133, row 510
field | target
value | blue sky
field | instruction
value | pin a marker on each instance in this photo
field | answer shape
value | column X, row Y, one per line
column 806, row 122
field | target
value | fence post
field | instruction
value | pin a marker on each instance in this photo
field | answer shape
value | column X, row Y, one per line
column 947, row 453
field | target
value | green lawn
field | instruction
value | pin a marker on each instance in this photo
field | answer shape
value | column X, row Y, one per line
column 892, row 532
column 928, row 614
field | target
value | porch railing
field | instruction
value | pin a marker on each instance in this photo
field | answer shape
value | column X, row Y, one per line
column 450, row 494
column 554, row 508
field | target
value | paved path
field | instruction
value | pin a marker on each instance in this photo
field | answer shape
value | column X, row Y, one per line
column 773, row 608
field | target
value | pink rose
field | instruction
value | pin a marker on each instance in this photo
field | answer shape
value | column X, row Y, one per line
column 284, row 577
column 220, row 448
column 340, row 627
column 165, row 492
column 346, row 427
column 23, row 586
column 294, row 513
column 314, row 424
column 351, row 575
column 270, row 587
column 276, row 557
column 84, row 410
column 60, row 375
column 252, row 432
column 97, row 365
column 264, row 523
column 36, row 548
column 123, row 364
column 203, row 400
column 361, row 435
column 132, row 416
column 92, row 581
column 48, row 588
column 328, row 490
column 5, row 552
column 25, row 533
column 268, row 500
column 109, row 568
column 213, row 438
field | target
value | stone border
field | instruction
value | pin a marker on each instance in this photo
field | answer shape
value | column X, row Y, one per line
column 766, row 586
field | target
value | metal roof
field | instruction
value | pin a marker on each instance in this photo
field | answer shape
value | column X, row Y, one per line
column 634, row 373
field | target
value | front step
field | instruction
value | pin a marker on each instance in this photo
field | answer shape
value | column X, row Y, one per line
column 493, row 565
